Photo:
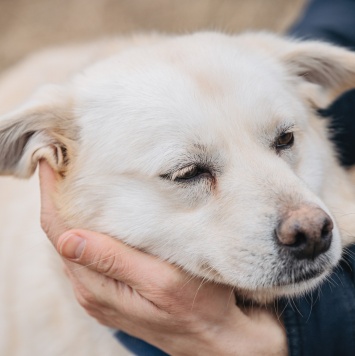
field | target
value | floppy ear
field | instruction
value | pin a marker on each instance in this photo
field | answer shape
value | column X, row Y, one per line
column 42, row 128
column 324, row 71
column 329, row 69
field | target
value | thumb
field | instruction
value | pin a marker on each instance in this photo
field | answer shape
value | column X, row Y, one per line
column 116, row 260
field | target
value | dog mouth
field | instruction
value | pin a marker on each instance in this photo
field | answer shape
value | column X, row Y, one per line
column 289, row 286
column 293, row 278
column 294, row 273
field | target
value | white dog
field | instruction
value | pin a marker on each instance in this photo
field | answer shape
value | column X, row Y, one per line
column 204, row 150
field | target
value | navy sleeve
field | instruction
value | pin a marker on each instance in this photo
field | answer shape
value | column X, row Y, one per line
column 342, row 126
column 136, row 346
column 323, row 322
column 329, row 20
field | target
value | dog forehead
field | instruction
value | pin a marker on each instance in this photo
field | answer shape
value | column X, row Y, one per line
column 179, row 94
column 186, row 70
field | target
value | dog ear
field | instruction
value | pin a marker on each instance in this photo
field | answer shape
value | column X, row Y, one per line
column 327, row 70
column 324, row 71
column 40, row 129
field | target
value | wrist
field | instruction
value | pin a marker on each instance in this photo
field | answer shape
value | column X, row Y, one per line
column 265, row 334
column 259, row 333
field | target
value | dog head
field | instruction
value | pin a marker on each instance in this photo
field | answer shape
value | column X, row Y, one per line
column 203, row 150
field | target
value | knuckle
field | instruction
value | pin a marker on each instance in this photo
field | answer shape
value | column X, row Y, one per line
column 86, row 304
column 82, row 301
column 45, row 223
column 110, row 265
column 170, row 296
column 87, row 301
column 102, row 320
column 93, row 313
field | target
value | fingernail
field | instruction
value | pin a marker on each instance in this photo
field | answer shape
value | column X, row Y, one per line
column 72, row 247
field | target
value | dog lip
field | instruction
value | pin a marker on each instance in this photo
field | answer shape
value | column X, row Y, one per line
column 302, row 277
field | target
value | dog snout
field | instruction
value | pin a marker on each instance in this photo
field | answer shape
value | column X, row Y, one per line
column 305, row 232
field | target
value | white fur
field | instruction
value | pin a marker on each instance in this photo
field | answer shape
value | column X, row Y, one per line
column 156, row 106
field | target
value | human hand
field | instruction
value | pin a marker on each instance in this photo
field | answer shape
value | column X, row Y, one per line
column 129, row 290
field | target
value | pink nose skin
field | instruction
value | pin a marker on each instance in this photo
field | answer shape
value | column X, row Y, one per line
column 305, row 232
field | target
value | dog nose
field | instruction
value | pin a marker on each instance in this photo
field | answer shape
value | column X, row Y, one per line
column 306, row 232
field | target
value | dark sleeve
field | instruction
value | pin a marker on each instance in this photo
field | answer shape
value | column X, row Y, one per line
column 137, row 346
column 329, row 20
column 341, row 114
column 323, row 322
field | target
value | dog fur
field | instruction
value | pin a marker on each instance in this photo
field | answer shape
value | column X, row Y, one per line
column 122, row 121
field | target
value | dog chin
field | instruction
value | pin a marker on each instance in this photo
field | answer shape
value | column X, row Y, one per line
column 264, row 296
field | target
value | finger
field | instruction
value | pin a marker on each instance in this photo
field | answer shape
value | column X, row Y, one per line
column 95, row 291
column 47, row 180
column 119, row 275
column 50, row 220
column 66, row 270
column 116, row 260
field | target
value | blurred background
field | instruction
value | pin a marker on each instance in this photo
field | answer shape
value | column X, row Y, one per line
column 28, row 25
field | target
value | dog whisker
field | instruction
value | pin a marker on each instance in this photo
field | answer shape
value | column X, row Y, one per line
column 204, row 280
column 230, row 296
column 295, row 305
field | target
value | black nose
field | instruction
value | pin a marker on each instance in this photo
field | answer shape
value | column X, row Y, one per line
column 305, row 232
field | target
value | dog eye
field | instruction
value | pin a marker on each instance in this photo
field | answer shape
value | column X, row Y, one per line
column 284, row 141
column 189, row 173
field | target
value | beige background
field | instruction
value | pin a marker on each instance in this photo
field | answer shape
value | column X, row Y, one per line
column 26, row 25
